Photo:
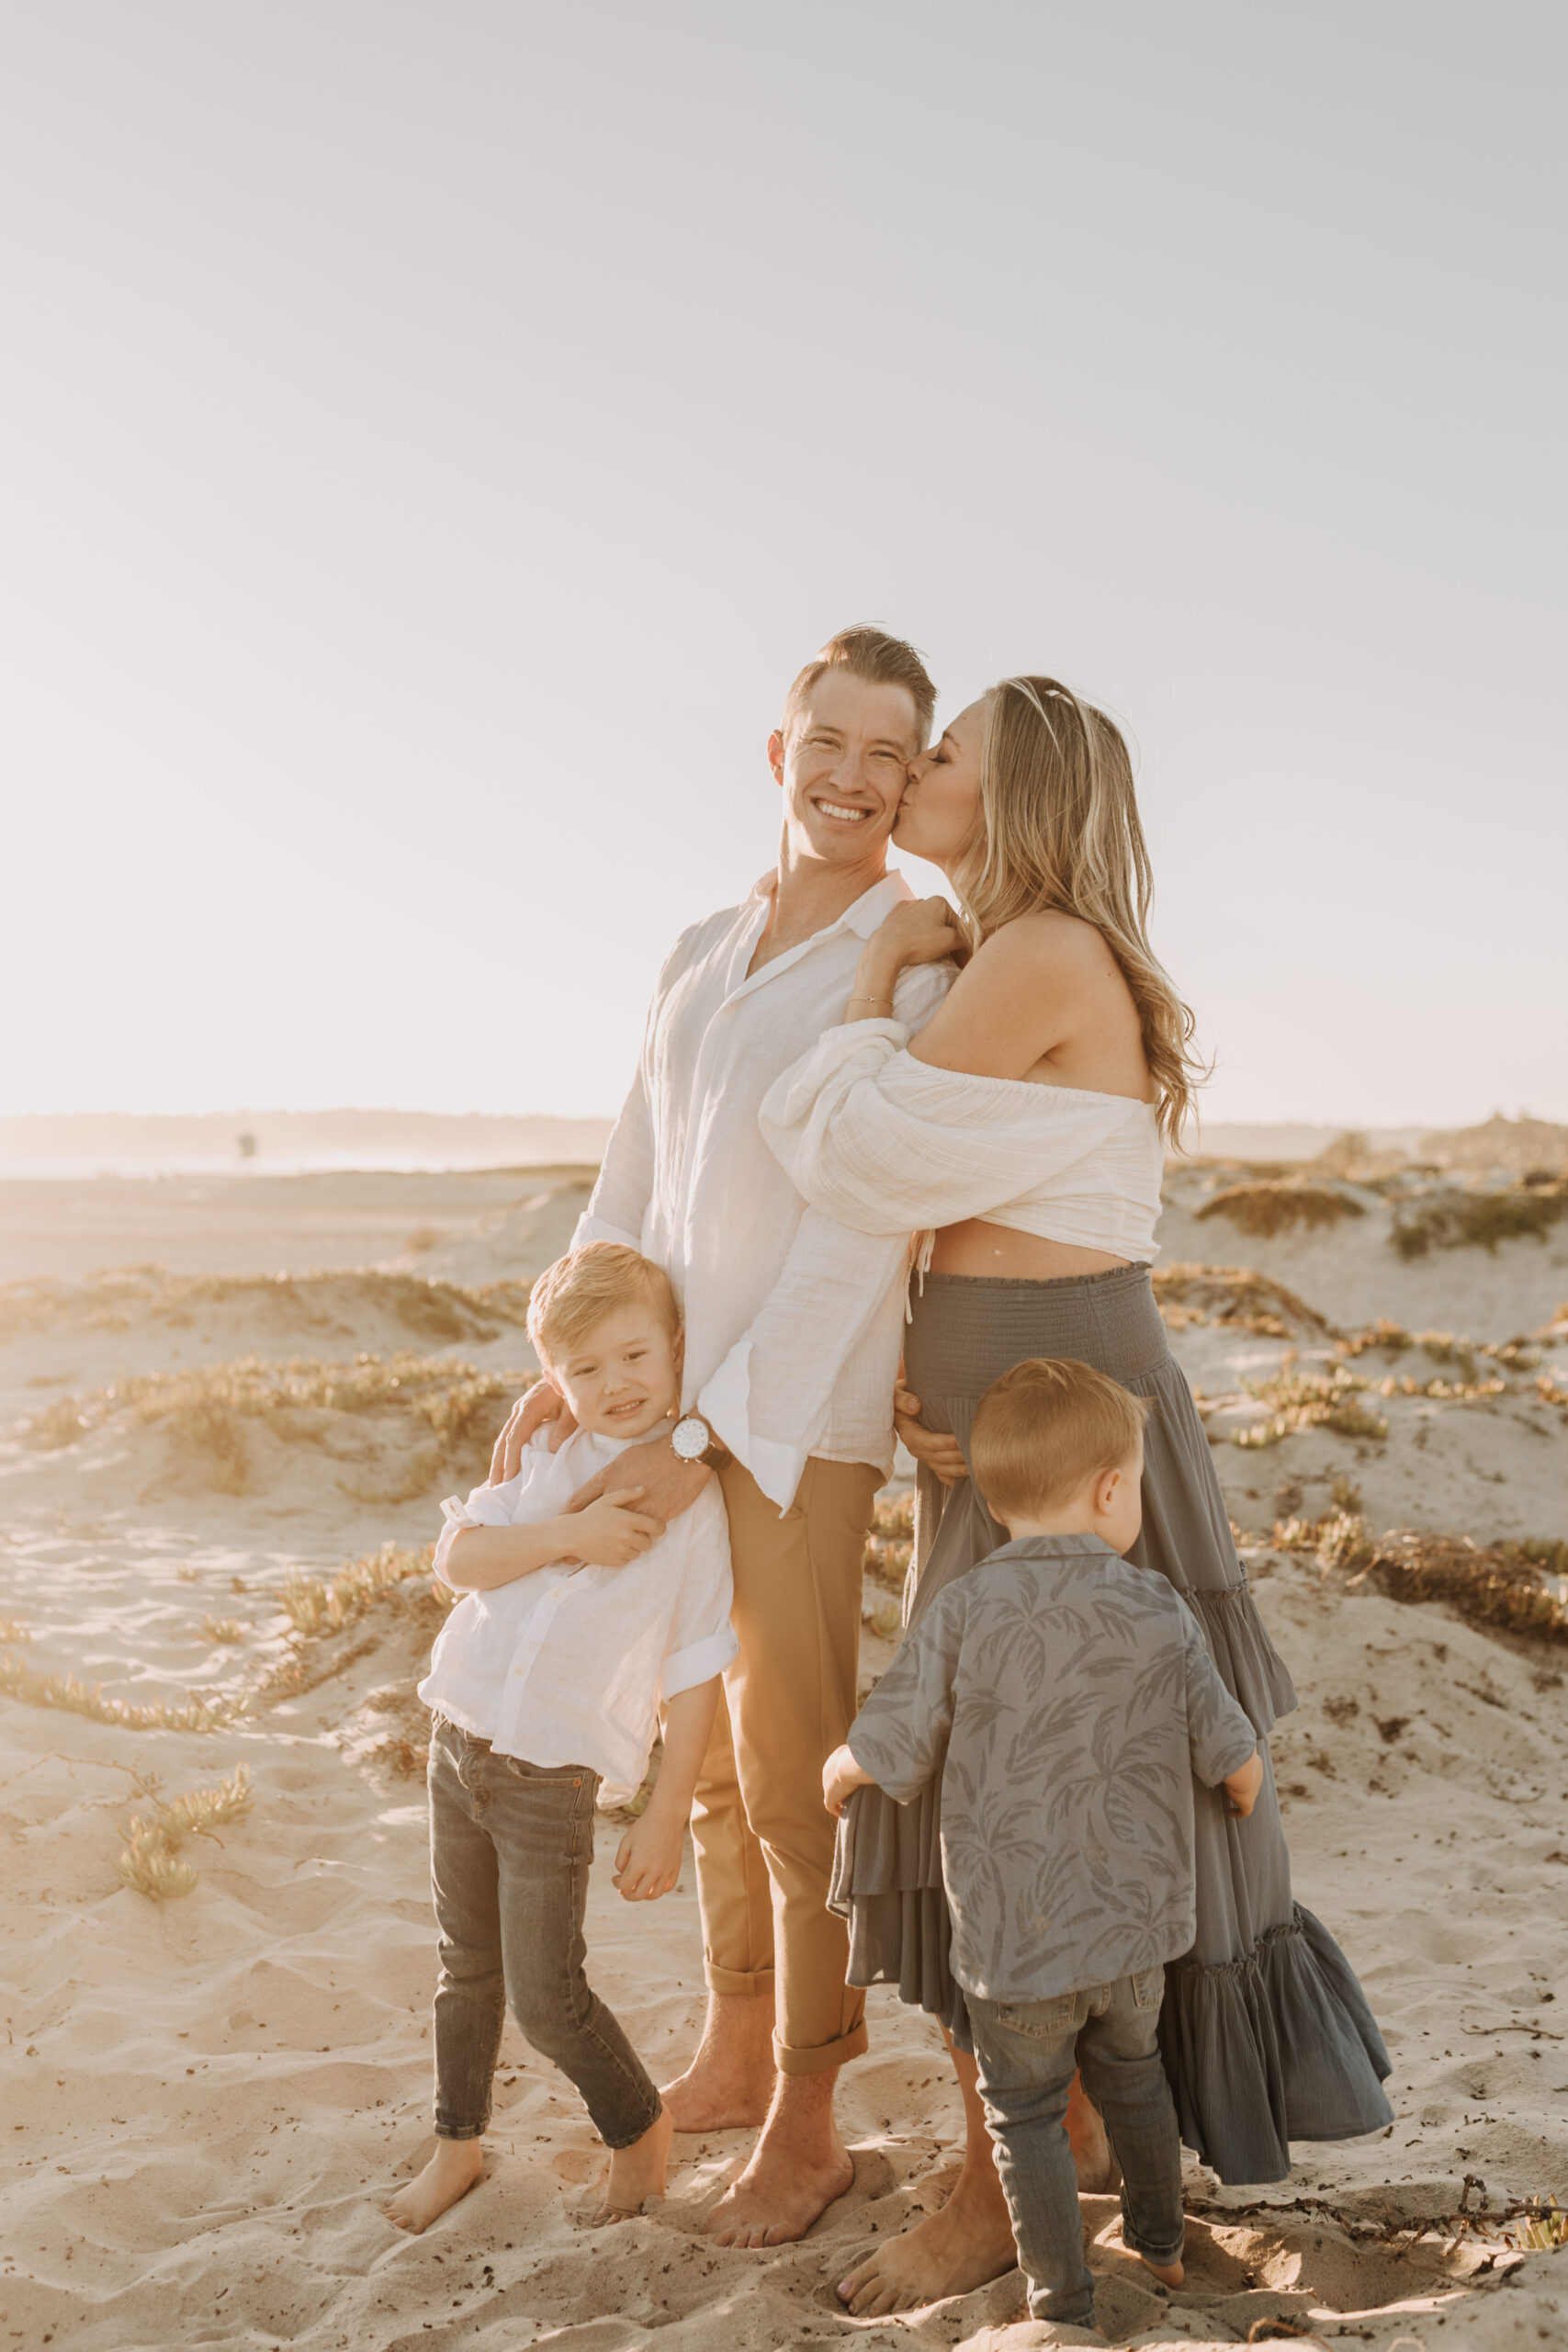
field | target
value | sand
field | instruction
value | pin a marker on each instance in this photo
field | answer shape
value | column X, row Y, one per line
column 206, row 2096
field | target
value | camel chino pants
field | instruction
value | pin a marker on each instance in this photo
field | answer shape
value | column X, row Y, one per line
column 764, row 1837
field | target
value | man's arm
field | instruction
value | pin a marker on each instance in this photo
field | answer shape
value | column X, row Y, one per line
column 625, row 1184
column 615, row 1212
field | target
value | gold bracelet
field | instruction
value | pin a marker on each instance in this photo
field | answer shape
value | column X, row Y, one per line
column 870, row 1000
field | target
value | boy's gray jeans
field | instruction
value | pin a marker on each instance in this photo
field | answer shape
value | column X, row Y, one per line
column 1028, row 2053
column 510, row 1846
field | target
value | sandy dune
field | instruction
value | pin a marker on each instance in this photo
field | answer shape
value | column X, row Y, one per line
column 206, row 2096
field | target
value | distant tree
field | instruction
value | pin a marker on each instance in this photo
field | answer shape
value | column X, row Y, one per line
column 247, row 1147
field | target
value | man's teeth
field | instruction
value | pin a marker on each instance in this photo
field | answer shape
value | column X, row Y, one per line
column 845, row 816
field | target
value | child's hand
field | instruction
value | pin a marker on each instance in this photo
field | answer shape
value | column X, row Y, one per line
column 609, row 1534
column 648, row 1862
column 840, row 1778
column 1241, row 1788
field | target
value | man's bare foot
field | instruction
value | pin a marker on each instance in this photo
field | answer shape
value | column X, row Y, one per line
column 452, row 2171
column 797, row 2169
column 638, row 2172
column 729, row 2083
column 952, row 2252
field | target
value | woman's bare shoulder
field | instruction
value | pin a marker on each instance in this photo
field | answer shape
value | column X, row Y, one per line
column 1024, row 993
column 1044, row 943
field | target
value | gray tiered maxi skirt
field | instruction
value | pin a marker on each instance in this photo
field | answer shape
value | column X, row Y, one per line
column 1266, row 2034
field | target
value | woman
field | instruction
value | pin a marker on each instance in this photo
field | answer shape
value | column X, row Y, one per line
column 1026, row 1124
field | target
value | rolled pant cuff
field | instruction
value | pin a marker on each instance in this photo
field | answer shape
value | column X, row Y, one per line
column 1164, row 2255
column 756, row 1984
column 821, row 2054
column 446, row 2132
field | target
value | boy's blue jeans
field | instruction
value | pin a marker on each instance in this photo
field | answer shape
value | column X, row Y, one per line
column 1028, row 2053
column 510, row 1846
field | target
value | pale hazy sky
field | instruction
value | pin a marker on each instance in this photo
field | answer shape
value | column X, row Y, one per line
column 431, row 436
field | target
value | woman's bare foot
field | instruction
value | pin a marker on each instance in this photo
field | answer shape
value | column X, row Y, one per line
column 452, row 2171
column 951, row 2252
column 638, row 2172
column 729, row 2083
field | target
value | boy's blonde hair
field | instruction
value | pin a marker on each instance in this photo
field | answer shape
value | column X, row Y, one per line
column 581, row 1288
column 1045, row 1428
column 878, row 660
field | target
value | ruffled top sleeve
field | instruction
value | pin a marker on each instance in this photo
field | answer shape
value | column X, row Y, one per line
column 887, row 1144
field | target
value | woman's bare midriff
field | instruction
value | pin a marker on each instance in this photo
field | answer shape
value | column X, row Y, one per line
column 976, row 1248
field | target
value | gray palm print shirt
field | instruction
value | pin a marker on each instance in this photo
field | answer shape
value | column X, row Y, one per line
column 1076, row 1699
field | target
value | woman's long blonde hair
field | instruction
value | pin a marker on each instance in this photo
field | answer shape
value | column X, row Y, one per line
column 1059, row 828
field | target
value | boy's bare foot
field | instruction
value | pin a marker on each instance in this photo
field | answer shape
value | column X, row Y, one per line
column 964, row 2245
column 797, row 2169
column 638, row 2172
column 452, row 2171
column 1169, row 2274
column 729, row 2083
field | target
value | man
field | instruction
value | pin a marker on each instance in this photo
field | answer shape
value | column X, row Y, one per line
column 792, row 1334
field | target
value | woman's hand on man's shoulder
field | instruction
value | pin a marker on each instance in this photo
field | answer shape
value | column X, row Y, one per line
column 923, row 930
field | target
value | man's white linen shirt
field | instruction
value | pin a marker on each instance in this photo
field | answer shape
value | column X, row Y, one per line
column 794, row 1323
column 567, row 1666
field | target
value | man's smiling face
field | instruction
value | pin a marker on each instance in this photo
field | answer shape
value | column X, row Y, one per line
column 844, row 767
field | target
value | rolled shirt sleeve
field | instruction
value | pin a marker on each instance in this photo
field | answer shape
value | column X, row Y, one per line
column 1219, row 1734
column 699, row 1661
column 897, row 1735
column 487, row 1505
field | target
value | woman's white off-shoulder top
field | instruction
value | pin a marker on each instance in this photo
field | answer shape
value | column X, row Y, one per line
column 887, row 1144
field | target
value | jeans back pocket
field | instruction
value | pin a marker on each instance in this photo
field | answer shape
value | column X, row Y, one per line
column 1039, row 2021
column 1149, row 1988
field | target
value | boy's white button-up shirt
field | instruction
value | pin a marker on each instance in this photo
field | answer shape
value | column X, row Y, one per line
column 567, row 1666
column 794, row 1323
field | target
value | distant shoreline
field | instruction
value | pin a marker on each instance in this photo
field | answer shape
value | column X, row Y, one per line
column 79, row 1146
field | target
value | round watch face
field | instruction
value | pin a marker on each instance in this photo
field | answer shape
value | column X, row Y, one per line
column 689, row 1438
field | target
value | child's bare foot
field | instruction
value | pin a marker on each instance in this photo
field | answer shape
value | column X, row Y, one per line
column 452, row 2171
column 638, row 2172
column 1169, row 2274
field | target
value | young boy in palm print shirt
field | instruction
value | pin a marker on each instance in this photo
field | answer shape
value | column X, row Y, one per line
column 1076, row 1700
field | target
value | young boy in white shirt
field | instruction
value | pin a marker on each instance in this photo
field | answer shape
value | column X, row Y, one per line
column 545, row 1689
column 1075, row 1702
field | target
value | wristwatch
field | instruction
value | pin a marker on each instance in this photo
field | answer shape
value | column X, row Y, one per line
column 695, row 1440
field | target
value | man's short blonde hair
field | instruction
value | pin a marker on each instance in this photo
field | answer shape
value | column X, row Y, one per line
column 577, row 1292
column 880, row 661
column 1045, row 1428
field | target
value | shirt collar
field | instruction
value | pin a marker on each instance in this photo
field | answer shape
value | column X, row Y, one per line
column 1056, row 1547
column 862, row 918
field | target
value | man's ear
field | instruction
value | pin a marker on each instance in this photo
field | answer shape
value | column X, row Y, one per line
column 776, row 755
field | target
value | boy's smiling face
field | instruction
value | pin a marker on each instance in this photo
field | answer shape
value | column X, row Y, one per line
column 624, row 1378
